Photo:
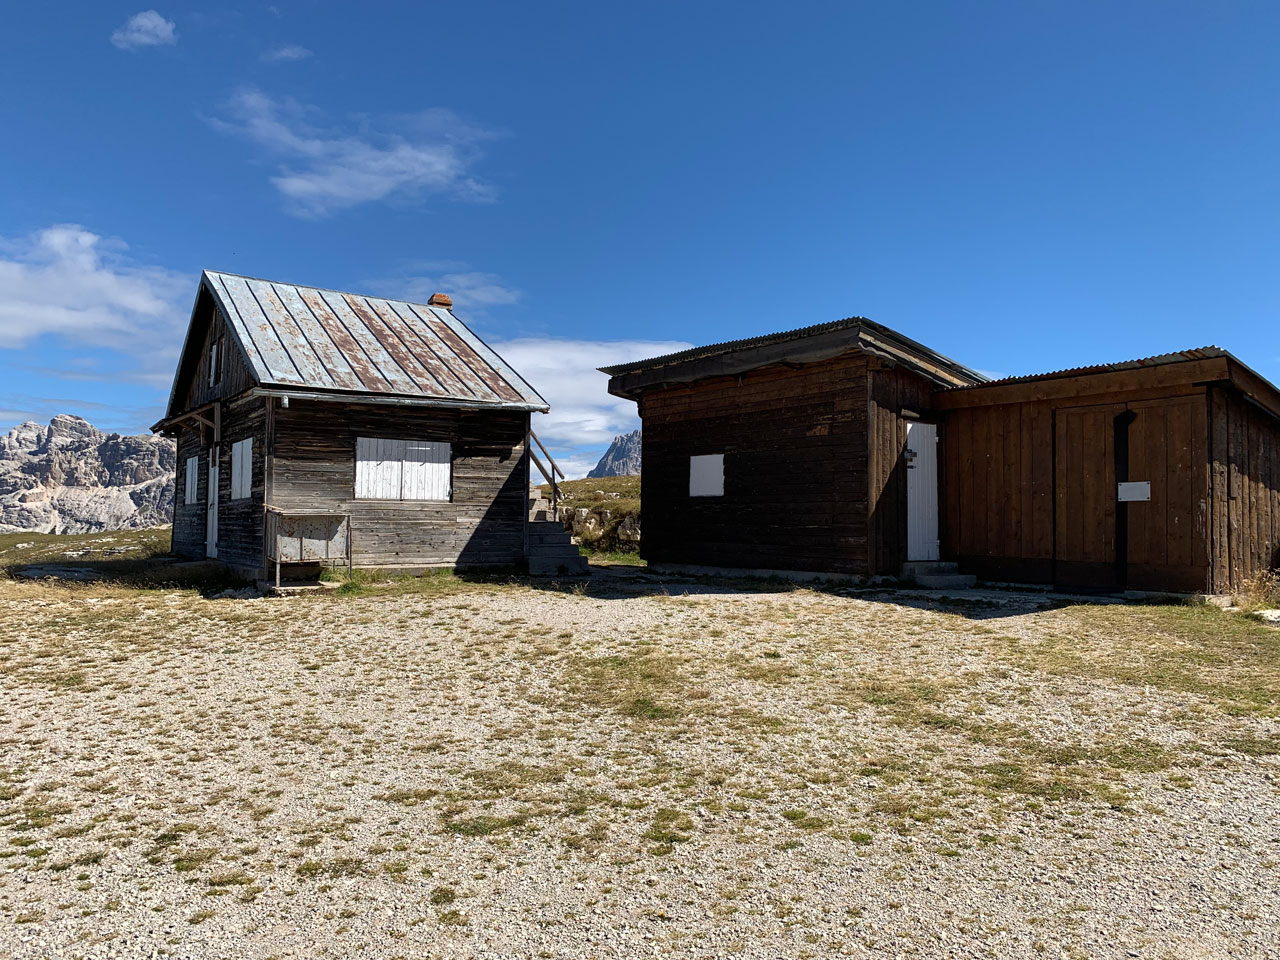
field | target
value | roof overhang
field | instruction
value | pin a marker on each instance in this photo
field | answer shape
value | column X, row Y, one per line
column 1221, row 368
column 335, row 396
column 797, row 347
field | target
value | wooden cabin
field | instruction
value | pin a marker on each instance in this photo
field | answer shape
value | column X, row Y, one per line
column 784, row 452
column 316, row 427
column 848, row 449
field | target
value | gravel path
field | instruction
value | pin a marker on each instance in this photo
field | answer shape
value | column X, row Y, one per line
column 636, row 768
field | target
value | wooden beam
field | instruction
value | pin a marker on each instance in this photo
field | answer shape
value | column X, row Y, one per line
column 1085, row 384
column 1262, row 392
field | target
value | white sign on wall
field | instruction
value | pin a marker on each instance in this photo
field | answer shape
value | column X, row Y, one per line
column 1134, row 491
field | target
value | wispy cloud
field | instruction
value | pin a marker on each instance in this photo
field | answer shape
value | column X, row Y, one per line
column 145, row 29
column 324, row 169
column 472, row 291
column 584, row 417
column 286, row 54
column 70, row 283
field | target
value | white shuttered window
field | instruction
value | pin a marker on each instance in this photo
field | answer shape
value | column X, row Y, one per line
column 191, row 488
column 242, row 468
column 402, row 469
column 706, row 475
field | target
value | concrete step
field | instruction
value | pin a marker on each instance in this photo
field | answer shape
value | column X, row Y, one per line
column 538, row 540
column 927, row 568
column 946, row 581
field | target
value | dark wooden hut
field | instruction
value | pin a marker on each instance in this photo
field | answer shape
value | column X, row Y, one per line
column 1161, row 474
column 315, row 426
column 847, row 448
column 784, row 452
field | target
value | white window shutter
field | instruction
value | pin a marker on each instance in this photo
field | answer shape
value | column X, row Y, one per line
column 706, row 475
column 192, row 485
column 242, row 469
column 402, row 469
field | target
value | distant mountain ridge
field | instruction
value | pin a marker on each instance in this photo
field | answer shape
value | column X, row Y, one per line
column 70, row 477
column 622, row 459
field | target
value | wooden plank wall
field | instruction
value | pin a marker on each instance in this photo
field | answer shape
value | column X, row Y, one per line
column 795, row 447
column 189, row 518
column 240, row 522
column 208, row 323
column 1245, row 474
column 1029, row 490
column 313, row 468
column 891, row 391
column 997, row 491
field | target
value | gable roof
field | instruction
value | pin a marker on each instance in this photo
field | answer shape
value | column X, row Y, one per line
column 802, row 345
column 313, row 339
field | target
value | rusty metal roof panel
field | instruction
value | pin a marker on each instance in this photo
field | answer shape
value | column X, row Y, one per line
column 1160, row 360
column 309, row 337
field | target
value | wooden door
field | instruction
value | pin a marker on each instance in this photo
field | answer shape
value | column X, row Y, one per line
column 922, row 491
column 1085, row 497
column 211, row 515
column 1167, row 535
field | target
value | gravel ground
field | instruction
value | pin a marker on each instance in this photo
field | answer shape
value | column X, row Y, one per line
column 634, row 768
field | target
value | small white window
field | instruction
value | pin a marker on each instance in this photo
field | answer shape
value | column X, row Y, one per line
column 403, row 469
column 242, row 469
column 191, row 488
column 706, row 475
column 213, row 362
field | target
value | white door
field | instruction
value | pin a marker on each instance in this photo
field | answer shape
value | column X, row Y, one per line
column 211, row 522
column 922, row 491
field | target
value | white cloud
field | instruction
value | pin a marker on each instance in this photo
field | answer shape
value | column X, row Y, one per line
column 70, row 283
column 145, row 29
column 584, row 417
column 286, row 54
column 324, row 170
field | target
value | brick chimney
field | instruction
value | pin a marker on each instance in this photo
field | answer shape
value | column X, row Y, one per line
column 441, row 300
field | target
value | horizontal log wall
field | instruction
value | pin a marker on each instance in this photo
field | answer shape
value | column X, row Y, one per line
column 313, row 468
column 1245, row 471
column 795, row 457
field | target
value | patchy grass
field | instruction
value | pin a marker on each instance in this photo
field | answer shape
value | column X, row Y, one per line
column 1230, row 659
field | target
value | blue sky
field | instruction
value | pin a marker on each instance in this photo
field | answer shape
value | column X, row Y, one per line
column 1023, row 186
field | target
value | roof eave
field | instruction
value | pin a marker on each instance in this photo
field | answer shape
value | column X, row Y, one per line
column 297, row 392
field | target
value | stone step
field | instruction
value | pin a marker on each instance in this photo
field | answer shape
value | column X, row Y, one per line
column 946, row 581
column 558, row 536
column 927, row 568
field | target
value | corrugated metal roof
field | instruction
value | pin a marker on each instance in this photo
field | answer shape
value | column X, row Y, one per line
column 858, row 326
column 296, row 336
column 1180, row 356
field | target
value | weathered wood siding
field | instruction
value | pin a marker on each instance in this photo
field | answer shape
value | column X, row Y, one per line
column 892, row 390
column 235, row 378
column 240, row 522
column 996, row 475
column 312, row 467
column 795, row 469
column 1030, row 491
column 189, row 518
column 1245, row 478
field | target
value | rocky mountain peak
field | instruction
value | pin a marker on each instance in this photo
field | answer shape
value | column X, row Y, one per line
column 70, row 477
column 622, row 459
